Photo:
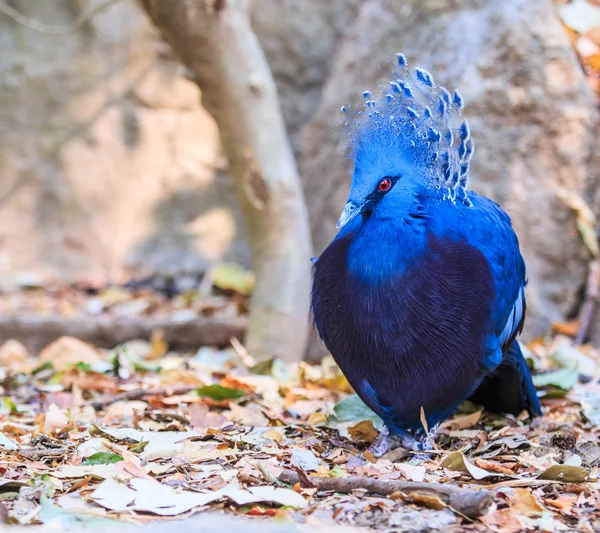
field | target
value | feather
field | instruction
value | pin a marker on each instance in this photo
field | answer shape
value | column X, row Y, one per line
column 421, row 295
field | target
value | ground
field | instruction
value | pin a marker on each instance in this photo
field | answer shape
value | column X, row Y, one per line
column 138, row 432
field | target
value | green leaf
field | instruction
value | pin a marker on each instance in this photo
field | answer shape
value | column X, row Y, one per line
column 83, row 367
column 353, row 409
column 218, row 392
column 139, row 447
column 564, row 378
column 566, row 473
column 44, row 366
column 264, row 368
column 336, row 471
column 232, row 277
column 102, row 458
column 458, row 462
column 10, row 407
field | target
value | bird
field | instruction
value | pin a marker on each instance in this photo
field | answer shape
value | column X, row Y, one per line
column 421, row 294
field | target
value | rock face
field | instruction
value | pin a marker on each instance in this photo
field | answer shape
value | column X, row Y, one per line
column 299, row 38
column 531, row 114
column 108, row 160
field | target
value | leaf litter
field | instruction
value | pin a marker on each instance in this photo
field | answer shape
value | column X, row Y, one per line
column 179, row 434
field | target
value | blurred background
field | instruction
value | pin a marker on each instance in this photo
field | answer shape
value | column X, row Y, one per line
column 120, row 216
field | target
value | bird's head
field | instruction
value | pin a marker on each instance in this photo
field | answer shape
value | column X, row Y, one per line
column 404, row 147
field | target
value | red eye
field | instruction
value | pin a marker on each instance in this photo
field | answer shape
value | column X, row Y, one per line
column 384, row 185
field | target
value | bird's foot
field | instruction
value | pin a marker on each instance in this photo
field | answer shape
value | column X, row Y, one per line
column 386, row 442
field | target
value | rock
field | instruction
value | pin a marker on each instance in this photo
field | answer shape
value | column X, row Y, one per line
column 108, row 161
column 299, row 38
column 531, row 114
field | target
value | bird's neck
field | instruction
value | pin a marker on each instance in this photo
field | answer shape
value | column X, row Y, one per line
column 385, row 249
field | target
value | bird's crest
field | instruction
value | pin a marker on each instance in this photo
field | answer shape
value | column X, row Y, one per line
column 414, row 119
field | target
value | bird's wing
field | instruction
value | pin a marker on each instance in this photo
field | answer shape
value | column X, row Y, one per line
column 488, row 228
column 497, row 345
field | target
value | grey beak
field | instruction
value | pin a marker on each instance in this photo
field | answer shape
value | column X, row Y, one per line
column 349, row 212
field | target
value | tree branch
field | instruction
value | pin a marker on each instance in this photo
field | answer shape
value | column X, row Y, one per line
column 49, row 29
column 467, row 502
column 36, row 331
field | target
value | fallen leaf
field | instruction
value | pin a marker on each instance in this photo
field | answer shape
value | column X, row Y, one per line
column 89, row 381
column 581, row 16
column 102, row 458
column 565, row 473
column 6, row 443
column 411, row 472
column 66, row 352
column 54, row 420
column 219, row 393
column 503, row 520
column 353, row 409
column 305, row 459
column 578, row 15
column 457, row 461
column 113, row 495
column 363, row 432
column 523, row 503
column 158, row 345
column 286, row 497
column 12, row 352
column 232, row 277
column 463, row 422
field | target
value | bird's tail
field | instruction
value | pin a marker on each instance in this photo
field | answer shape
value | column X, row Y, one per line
column 509, row 389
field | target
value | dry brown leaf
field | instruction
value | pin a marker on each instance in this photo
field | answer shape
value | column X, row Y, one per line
column 364, row 432
column 494, row 466
column 65, row 352
column 55, row 420
column 198, row 415
column 158, row 345
column 503, row 520
column 463, row 422
column 89, row 381
column 566, row 328
column 273, row 434
column 12, row 352
column 523, row 503
column 564, row 502
column 315, row 419
column 181, row 376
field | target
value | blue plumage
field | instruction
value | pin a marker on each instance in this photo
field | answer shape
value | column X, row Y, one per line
column 420, row 296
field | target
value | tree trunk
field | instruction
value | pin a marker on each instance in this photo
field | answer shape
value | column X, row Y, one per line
column 214, row 40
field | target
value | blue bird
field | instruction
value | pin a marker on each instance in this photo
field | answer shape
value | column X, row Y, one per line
column 420, row 296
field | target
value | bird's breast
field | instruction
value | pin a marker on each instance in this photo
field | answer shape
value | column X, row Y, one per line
column 416, row 337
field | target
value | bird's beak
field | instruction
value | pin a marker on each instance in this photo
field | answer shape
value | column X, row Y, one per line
column 349, row 212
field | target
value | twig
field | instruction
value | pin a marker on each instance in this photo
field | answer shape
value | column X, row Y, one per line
column 467, row 502
column 41, row 453
column 592, row 292
column 50, row 29
column 109, row 399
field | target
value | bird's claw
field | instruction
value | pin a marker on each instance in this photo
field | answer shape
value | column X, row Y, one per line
column 386, row 442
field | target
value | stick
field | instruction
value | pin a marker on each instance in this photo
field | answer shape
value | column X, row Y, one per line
column 591, row 297
column 136, row 394
column 467, row 502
